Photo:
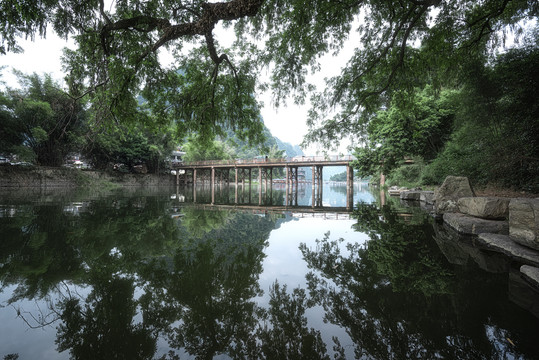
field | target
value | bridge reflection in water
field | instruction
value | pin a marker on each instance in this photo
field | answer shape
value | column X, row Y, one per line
column 259, row 199
column 238, row 173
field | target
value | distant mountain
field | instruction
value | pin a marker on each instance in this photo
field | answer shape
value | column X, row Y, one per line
column 291, row 150
column 241, row 149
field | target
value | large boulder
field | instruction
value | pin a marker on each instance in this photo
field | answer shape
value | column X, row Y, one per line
column 484, row 207
column 427, row 197
column 410, row 195
column 447, row 195
column 524, row 222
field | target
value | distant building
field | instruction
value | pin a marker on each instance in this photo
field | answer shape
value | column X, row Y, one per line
column 176, row 157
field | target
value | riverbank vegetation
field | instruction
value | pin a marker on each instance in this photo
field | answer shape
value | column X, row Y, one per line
column 449, row 84
column 41, row 124
column 485, row 129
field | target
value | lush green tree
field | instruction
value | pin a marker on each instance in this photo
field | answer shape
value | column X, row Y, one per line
column 197, row 148
column 338, row 177
column 402, row 43
column 135, row 146
column 208, row 90
column 495, row 140
column 396, row 133
column 230, row 146
column 41, row 122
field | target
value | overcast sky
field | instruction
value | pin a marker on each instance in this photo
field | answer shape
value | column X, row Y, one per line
column 288, row 122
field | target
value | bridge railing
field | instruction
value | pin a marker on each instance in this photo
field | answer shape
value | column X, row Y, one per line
column 263, row 160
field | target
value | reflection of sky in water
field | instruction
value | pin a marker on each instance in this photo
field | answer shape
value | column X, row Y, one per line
column 284, row 263
column 333, row 195
column 16, row 337
column 14, row 333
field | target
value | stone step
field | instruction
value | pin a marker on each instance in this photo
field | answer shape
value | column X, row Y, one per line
column 504, row 244
column 470, row 225
column 531, row 274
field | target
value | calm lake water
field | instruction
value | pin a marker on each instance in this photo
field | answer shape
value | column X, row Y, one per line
column 170, row 274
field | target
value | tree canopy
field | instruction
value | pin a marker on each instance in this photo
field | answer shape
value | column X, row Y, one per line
column 40, row 122
column 210, row 88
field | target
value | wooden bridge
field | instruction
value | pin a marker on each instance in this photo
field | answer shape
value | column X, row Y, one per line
column 220, row 172
column 220, row 169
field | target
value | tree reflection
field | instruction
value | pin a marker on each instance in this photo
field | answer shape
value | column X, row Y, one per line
column 48, row 244
column 213, row 283
column 397, row 299
column 198, row 222
column 400, row 251
column 195, row 286
column 287, row 335
column 36, row 250
column 102, row 327
column 147, row 278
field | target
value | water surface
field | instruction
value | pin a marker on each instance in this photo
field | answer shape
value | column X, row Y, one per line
column 167, row 273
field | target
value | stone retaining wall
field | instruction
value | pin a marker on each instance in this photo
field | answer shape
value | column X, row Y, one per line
column 506, row 226
column 17, row 177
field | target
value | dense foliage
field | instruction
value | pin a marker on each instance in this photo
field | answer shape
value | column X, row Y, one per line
column 230, row 147
column 486, row 130
column 207, row 91
column 495, row 138
column 130, row 148
column 397, row 133
column 402, row 43
column 40, row 122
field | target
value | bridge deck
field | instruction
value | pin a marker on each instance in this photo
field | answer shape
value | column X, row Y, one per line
column 298, row 161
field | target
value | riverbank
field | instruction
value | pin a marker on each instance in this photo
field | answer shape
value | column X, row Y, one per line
column 15, row 177
column 505, row 225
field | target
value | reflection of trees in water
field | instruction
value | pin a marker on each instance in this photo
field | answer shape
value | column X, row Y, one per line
column 198, row 222
column 214, row 279
column 195, row 289
column 285, row 334
column 102, row 326
column 398, row 299
column 152, row 277
column 45, row 244
column 400, row 251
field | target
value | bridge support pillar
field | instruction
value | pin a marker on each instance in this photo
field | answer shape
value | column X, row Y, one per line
column 318, row 180
column 292, row 175
column 259, row 185
column 349, row 187
column 212, row 185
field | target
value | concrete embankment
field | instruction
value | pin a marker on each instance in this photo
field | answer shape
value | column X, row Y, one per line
column 12, row 177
